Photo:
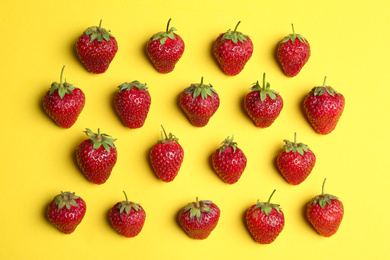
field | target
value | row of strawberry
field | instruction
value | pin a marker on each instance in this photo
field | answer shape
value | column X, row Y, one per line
column 264, row 220
column 97, row 47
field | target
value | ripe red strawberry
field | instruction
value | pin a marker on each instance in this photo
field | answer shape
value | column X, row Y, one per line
column 293, row 53
column 128, row 218
column 132, row 103
column 325, row 212
column 199, row 103
column 296, row 161
column 166, row 157
column 323, row 107
column 64, row 103
column 97, row 156
column 265, row 221
column 199, row 218
column 233, row 50
column 96, row 48
column 229, row 161
column 263, row 105
column 66, row 211
column 165, row 49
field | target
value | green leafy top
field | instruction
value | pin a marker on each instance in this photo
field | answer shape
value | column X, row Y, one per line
column 129, row 86
column 294, row 36
column 98, row 33
column 127, row 205
column 163, row 36
column 63, row 88
column 201, row 89
column 66, row 199
column 265, row 90
column 100, row 139
column 228, row 142
column 198, row 207
column 234, row 35
column 323, row 199
column 266, row 207
column 167, row 139
column 295, row 147
column 318, row 91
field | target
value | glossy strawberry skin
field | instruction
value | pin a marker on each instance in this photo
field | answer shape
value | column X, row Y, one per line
column 65, row 111
column 66, row 220
column 295, row 167
column 263, row 113
column 166, row 159
column 264, row 229
column 96, row 56
column 133, row 106
column 231, row 56
column 128, row 225
column 199, row 110
column 293, row 56
column 164, row 57
column 96, row 164
column 200, row 228
column 229, row 164
column 324, row 111
column 327, row 220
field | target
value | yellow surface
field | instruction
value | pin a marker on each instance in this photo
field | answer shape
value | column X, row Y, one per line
column 350, row 45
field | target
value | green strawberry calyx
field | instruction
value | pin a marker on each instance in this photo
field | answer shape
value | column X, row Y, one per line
column 318, row 91
column 198, row 207
column 163, row 36
column 228, row 142
column 168, row 138
column 201, row 89
column 266, row 207
column 127, row 206
column 66, row 199
column 295, row 147
column 63, row 88
column 293, row 37
column 265, row 90
column 323, row 199
column 134, row 84
column 98, row 33
column 100, row 140
column 234, row 36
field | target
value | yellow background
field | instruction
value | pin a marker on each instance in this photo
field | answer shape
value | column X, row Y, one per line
column 350, row 45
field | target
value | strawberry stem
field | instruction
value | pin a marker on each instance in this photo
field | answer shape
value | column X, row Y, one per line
column 62, row 72
column 292, row 25
column 235, row 29
column 324, row 82
column 166, row 137
column 271, row 196
column 323, row 185
column 197, row 202
column 201, row 82
column 264, row 81
column 100, row 24
column 127, row 201
column 295, row 139
column 168, row 25
column 99, row 136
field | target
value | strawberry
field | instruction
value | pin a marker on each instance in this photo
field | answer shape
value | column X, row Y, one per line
column 96, row 48
column 233, row 50
column 66, row 211
column 199, row 103
column 265, row 221
column 96, row 156
column 166, row 157
column 199, row 218
column 263, row 105
column 165, row 49
column 128, row 218
column 229, row 161
column 296, row 161
column 325, row 212
column 293, row 53
column 323, row 107
column 64, row 103
column 132, row 103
